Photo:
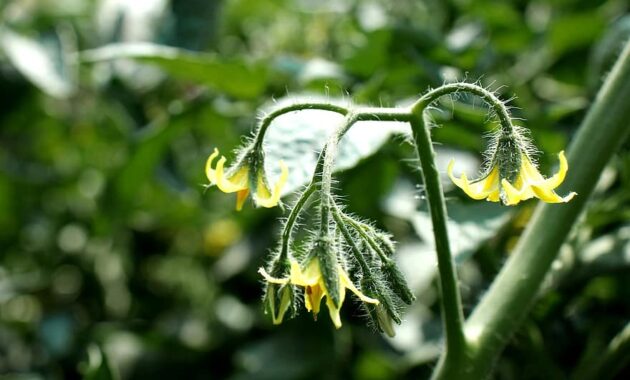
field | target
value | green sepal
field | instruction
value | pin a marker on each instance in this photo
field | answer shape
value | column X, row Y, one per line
column 324, row 251
column 508, row 157
column 280, row 299
column 398, row 283
column 382, row 314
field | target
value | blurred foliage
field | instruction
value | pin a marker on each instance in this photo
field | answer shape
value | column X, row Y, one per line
column 116, row 263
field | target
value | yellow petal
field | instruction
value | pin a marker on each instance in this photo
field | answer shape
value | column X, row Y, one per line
column 238, row 181
column 481, row 189
column 263, row 196
column 210, row 173
column 346, row 282
column 534, row 182
column 523, row 187
column 313, row 298
column 241, row 196
column 334, row 310
column 558, row 178
column 269, row 278
column 494, row 196
column 529, row 172
column 309, row 277
column 512, row 194
column 548, row 195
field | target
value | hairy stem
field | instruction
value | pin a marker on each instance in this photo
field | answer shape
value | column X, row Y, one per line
column 498, row 107
column 266, row 121
column 452, row 315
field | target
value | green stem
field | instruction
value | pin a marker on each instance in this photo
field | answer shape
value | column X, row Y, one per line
column 452, row 315
column 295, row 211
column 266, row 121
column 497, row 106
column 373, row 244
column 330, row 153
column 498, row 314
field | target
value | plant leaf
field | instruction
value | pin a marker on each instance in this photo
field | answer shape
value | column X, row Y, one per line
column 234, row 77
column 42, row 64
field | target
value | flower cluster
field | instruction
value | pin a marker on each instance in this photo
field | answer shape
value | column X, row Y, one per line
column 327, row 271
column 511, row 175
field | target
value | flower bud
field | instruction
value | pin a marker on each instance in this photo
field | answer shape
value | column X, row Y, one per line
column 397, row 281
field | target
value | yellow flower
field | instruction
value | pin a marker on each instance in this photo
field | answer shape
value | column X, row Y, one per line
column 241, row 179
column 528, row 183
column 312, row 280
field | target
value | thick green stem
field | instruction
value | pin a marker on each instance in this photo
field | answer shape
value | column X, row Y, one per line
column 507, row 301
column 452, row 315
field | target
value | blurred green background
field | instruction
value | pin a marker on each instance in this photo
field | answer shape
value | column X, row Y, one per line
column 115, row 262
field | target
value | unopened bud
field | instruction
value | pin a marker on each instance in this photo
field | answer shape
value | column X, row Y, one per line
column 398, row 283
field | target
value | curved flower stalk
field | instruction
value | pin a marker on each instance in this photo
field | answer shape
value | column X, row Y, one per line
column 247, row 175
column 512, row 175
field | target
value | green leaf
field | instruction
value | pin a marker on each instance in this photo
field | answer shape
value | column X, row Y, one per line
column 234, row 77
column 298, row 137
column 41, row 62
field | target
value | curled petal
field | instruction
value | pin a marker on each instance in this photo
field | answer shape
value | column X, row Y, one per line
column 533, row 183
column 548, row 195
column 266, row 198
column 210, row 173
column 236, row 182
column 558, row 178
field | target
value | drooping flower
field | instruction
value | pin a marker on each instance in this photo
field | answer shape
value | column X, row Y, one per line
column 312, row 279
column 512, row 186
column 247, row 175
